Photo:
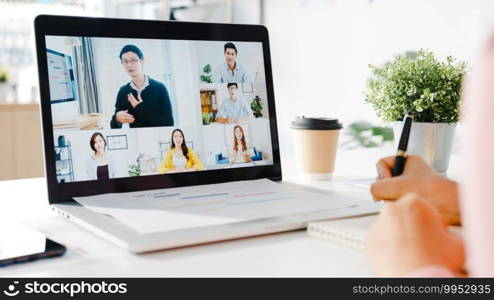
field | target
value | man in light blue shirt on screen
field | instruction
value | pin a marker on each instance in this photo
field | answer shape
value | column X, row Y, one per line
column 230, row 70
column 234, row 109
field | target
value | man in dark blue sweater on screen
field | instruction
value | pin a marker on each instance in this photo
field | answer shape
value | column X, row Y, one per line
column 143, row 102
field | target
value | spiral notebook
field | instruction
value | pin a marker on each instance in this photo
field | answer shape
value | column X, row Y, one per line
column 347, row 232
column 351, row 232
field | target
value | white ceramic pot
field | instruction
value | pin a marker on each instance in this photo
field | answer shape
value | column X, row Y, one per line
column 432, row 141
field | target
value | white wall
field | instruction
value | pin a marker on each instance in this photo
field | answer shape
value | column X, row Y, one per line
column 184, row 69
column 321, row 48
column 260, row 136
column 214, row 142
column 238, row 11
column 60, row 43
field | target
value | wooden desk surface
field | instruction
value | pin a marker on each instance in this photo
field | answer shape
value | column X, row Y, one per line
column 19, row 107
column 84, row 122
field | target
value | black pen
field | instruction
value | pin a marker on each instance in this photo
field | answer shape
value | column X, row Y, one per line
column 401, row 153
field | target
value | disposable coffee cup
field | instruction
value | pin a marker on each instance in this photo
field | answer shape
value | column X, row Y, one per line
column 316, row 142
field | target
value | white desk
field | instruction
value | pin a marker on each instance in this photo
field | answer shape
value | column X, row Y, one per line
column 285, row 254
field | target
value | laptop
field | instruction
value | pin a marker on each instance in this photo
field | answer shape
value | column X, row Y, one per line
column 160, row 109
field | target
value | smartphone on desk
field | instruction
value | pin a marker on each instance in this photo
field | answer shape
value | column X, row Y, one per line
column 20, row 244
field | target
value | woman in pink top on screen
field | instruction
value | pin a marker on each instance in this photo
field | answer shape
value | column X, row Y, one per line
column 410, row 236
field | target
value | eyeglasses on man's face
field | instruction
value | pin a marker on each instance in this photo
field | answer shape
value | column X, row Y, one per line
column 131, row 61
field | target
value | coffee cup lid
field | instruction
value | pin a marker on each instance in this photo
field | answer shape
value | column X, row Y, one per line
column 316, row 123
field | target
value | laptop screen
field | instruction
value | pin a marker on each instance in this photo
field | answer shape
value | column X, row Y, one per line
column 124, row 107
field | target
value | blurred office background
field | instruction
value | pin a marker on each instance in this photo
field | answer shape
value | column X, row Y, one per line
column 320, row 51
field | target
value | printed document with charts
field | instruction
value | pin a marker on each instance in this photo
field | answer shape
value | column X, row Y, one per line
column 206, row 205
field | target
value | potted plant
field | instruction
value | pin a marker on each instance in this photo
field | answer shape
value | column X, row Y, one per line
column 4, row 78
column 417, row 82
column 367, row 135
column 256, row 106
column 206, row 77
column 207, row 118
column 135, row 168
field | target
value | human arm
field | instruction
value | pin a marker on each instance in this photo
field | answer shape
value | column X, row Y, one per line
column 154, row 112
column 240, row 157
column 223, row 120
column 247, row 156
column 410, row 239
column 246, row 113
column 240, row 120
column 122, row 107
column 167, row 164
column 222, row 116
column 195, row 162
column 419, row 178
column 232, row 120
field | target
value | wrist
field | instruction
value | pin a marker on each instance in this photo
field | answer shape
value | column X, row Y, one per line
column 451, row 209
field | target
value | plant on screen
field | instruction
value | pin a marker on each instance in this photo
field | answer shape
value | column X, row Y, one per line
column 135, row 168
column 256, row 106
column 206, row 77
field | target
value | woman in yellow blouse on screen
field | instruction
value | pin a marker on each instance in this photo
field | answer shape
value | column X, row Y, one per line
column 180, row 158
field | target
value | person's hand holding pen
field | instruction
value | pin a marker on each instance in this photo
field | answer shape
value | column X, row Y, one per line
column 419, row 178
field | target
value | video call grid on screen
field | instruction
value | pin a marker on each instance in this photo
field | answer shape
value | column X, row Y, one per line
column 147, row 106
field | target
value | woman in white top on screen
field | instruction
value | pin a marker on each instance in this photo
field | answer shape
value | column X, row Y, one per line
column 100, row 165
column 239, row 153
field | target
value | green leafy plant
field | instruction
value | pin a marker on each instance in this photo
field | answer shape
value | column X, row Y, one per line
column 367, row 135
column 135, row 168
column 4, row 75
column 419, row 83
column 207, row 118
column 256, row 106
column 206, row 78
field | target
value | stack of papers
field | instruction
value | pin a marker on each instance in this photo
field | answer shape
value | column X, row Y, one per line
column 208, row 205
